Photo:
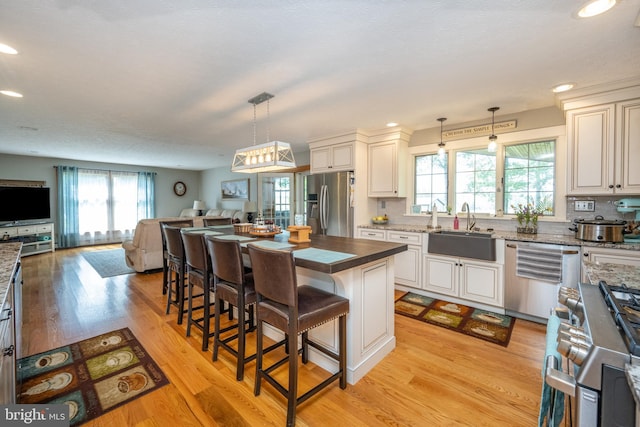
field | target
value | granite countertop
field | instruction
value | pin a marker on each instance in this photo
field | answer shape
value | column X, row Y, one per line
column 558, row 239
column 9, row 257
column 613, row 274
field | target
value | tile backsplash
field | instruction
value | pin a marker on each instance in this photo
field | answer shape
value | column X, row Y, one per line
column 604, row 206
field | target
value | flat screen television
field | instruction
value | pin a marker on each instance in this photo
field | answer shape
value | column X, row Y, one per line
column 24, row 203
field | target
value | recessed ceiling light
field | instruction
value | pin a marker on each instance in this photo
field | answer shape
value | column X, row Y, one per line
column 595, row 7
column 11, row 93
column 7, row 49
column 563, row 87
column 392, row 124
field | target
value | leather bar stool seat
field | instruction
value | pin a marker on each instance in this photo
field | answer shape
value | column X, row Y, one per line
column 234, row 286
column 294, row 311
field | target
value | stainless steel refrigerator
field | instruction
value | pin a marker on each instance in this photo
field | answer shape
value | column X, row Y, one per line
column 330, row 203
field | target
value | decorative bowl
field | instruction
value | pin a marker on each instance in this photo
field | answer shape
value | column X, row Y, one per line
column 380, row 221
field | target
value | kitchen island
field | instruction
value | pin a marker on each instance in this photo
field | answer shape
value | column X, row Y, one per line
column 358, row 269
column 9, row 306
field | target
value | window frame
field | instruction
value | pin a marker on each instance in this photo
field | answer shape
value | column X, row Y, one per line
column 557, row 133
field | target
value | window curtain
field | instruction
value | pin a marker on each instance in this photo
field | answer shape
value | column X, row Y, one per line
column 67, row 216
column 146, row 195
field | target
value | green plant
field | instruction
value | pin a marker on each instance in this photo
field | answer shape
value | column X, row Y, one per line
column 527, row 215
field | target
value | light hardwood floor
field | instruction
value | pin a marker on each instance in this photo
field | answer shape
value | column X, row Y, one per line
column 434, row 377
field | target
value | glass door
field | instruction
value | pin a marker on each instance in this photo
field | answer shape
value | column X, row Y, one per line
column 275, row 198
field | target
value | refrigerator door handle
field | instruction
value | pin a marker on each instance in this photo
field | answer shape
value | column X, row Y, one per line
column 324, row 208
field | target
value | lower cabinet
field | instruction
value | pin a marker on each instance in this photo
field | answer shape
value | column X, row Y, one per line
column 463, row 278
column 407, row 264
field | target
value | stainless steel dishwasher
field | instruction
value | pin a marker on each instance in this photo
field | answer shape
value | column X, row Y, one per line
column 533, row 274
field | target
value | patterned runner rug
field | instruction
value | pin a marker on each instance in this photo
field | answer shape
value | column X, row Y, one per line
column 483, row 324
column 92, row 376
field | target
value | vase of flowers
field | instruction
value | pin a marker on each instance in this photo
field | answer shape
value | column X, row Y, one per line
column 527, row 216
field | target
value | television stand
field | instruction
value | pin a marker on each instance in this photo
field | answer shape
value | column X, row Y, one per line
column 35, row 238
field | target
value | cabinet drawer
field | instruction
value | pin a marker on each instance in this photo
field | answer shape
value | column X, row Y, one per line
column 11, row 231
column 36, row 228
column 373, row 234
column 405, row 237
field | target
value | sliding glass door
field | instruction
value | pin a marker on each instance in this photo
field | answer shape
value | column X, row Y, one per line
column 275, row 197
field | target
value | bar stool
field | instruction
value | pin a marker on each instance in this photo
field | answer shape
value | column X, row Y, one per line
column 199, row 274
column 165, row 256
column 294, row 310
column 176, row 269
column 236, row 287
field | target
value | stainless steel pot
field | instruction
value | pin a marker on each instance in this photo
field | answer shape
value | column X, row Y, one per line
column 599, row 230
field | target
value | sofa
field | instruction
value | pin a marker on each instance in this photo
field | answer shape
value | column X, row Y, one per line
column 144, row 251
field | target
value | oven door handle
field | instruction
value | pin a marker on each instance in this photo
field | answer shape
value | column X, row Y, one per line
column 557, row 379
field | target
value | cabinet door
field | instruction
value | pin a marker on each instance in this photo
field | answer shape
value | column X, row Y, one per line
column 590, row 138
column 383, row 173
column 342, row 157
column 628, row 148
column 481, row 282
column 407, row 266
column 320, row 160
column 612, row 256
column 441, row 275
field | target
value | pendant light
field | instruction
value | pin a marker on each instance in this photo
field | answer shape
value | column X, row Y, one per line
column 441, row 150
column 493, row 145
column 269, row 157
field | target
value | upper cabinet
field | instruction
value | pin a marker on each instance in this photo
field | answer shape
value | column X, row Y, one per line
column 387, row 165
column 603, row 139
column 336, row 153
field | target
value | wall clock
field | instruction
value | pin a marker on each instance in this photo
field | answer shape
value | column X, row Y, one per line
column 179, row 188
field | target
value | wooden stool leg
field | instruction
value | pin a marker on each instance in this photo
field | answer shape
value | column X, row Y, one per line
column 256, row 388
column 216, row 328
column 292, row 399
column 343, row 350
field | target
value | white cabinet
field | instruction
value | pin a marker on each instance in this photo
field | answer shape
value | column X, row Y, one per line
column 468, row 279
column 332, row 158
column 407, row 264
column 604, row 149
column 465, row 280
column 35, row 238
column 387, row 162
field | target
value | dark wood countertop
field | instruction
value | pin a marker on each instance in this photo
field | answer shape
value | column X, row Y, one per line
column 365, row 250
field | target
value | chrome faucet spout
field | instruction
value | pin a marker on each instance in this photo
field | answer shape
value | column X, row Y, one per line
column 465, row 208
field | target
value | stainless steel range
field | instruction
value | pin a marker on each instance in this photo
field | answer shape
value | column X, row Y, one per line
column 599, row 336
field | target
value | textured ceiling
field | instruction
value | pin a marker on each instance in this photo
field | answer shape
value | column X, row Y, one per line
column 166, row 83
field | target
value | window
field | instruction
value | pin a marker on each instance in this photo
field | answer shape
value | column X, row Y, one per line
column 101, row 206
column 490, row 182
column 431, row 181
column 529, row 175
column 476, row 180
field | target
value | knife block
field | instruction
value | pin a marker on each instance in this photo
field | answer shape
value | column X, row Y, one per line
column 299, row 233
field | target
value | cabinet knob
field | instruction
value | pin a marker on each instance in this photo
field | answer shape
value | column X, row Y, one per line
column 585, row 254
column 618, row 186
column 610, row 185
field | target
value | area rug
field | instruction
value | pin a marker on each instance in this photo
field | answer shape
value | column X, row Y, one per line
column 92, row 376
column 108, row 263
column 483, row 324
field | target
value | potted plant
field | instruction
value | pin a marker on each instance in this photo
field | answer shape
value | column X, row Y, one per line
column 527, row 216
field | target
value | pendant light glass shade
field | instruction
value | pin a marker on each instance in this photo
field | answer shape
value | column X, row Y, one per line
column 441, row 150
column 268, row 157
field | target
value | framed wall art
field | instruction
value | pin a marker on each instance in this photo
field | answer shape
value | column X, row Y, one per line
column 237, row 189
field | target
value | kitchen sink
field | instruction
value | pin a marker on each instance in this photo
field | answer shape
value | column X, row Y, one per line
column 463, row 244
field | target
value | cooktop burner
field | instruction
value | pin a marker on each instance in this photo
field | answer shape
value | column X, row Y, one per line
column 624, row 304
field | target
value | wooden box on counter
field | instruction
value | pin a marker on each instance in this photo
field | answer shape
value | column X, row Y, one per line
column 299, row 233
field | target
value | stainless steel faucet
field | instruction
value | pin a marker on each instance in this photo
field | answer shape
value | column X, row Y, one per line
column 465, row 208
